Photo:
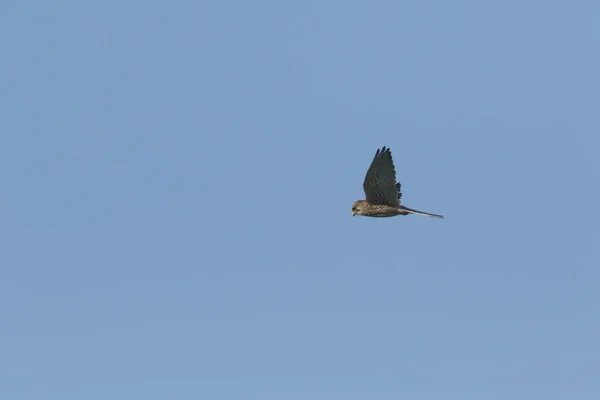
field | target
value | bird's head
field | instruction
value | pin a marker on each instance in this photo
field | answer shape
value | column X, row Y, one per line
column 358, row 207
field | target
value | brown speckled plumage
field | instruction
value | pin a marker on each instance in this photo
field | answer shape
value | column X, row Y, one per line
column 383, row 193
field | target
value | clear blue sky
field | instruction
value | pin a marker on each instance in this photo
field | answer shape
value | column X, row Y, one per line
column 177, row 182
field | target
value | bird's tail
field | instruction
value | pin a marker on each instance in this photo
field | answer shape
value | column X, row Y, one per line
column 411, row 211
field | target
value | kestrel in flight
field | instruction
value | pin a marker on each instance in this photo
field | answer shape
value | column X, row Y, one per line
column 382, row 191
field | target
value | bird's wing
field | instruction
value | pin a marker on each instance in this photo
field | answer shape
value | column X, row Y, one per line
column 380, row 183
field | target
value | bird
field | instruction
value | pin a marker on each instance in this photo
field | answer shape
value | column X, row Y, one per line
column 383, row 193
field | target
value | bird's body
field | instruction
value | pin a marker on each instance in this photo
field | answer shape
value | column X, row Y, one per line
column 382, row 192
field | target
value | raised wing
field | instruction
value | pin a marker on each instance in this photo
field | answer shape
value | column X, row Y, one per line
column 380, row 182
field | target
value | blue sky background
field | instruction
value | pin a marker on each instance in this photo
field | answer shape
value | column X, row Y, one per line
column 176, row 190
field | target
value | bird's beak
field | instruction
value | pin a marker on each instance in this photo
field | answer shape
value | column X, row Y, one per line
column 353, row 213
